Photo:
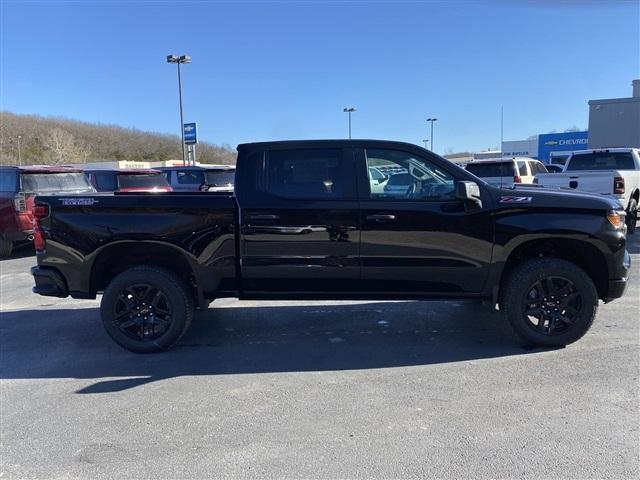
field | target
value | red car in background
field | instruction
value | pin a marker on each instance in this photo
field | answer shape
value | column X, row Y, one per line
column 127, row 180
column 19, row 186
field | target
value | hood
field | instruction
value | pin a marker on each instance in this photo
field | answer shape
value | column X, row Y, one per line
column 553, row 198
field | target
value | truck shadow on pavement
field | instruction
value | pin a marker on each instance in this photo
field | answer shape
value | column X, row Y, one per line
column 241, row 339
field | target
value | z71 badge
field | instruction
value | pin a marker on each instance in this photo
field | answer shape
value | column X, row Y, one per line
column 84, row 202
column 515, row 199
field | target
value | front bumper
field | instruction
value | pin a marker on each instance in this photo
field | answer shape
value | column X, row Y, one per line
column 49, row 282
column 617, row 286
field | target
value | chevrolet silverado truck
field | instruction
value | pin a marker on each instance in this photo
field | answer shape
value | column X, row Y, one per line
column 611, row 171
column 305, row 222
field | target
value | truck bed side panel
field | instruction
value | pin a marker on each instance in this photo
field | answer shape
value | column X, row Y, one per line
column 198, row 227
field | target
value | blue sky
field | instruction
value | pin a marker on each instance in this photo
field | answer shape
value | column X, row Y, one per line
column 285, row 70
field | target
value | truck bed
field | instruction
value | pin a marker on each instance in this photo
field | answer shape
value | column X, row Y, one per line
column 88, row 229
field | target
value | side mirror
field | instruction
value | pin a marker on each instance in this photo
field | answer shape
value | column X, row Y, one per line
column 469, row 192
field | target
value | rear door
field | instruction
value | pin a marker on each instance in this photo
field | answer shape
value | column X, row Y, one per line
column 300, row 229
column 422, row 241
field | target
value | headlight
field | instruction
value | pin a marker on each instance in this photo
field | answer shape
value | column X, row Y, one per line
column 617, row 220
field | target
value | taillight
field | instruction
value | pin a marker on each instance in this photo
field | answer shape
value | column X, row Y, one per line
column 40, row 212
column 20, row 203
column 517, row 179
column 618, row 185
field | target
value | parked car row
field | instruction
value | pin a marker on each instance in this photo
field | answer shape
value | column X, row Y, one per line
column 20, row 185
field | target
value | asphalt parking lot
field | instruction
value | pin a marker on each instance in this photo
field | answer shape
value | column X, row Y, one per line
column 315, row 390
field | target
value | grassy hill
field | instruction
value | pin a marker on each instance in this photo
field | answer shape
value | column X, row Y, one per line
column 55, row 140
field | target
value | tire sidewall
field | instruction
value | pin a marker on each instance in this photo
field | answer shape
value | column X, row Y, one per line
column 632, row 213
column 176, row 294
column 522, row 281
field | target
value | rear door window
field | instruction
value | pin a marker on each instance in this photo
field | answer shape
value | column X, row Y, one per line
column 190, row 177
column 492, row 169
column 218, row 178
column 602, row 161
column 305, row 174
column 522, row 169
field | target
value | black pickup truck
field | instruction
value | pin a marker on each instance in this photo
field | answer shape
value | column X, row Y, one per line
column 335, row 219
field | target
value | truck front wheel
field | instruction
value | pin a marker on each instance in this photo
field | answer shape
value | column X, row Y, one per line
column 146, row 309
column 549, row 302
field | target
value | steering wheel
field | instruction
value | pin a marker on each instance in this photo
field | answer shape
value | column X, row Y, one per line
column 411, row 191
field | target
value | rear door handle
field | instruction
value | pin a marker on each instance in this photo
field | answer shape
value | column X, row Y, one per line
column 381, row 218
column 264, row 217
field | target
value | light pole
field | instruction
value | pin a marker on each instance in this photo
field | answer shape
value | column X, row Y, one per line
column 178, row 60
column 431, row 120
column 425, row 143
column 19, row 153
column 349, row 110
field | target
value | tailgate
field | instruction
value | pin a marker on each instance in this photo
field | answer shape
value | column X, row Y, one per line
column 592, row 181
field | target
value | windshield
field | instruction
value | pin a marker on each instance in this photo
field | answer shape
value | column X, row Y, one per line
column 601, row 161
column 55, row 183
column 147, row 180
column 492, row 169
column 220, row 177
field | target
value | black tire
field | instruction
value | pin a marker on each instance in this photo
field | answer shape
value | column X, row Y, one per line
column 146, row 309
column 632, row 216
column 552, row 319
column 6, row 247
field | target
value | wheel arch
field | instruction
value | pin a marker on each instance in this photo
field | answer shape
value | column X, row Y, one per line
column 115, row 258
column 579, row 252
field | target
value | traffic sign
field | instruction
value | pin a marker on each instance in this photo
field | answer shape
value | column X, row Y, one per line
column 190, row 133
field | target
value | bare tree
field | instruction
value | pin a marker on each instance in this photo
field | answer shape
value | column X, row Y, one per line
column 63, row 148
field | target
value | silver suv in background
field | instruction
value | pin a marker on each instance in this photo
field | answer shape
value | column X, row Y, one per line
column 201, row 178
column 506, row 172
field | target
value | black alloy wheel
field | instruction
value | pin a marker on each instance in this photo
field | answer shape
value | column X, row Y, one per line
column 552, row 305
column 142, row 312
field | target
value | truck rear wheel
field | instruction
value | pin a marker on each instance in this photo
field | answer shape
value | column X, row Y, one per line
column 632, row 216
column 550, row 302
column 146, row 309
column 6, row 247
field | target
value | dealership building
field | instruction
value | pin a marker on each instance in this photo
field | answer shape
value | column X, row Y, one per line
column 546, row 145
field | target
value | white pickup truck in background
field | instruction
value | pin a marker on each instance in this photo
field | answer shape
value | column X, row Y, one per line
column 609, row 171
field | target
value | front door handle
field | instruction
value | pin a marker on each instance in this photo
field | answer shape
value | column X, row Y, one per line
column 381, row 218
column 264, row 217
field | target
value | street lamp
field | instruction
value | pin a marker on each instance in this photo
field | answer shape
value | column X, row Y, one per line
column 178, row 60
column 425, row 143
column 431, row 120
column 19, row 154
column 349, row 110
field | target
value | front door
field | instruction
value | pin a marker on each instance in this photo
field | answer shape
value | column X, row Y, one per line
column 417, row 238
column 300, row 223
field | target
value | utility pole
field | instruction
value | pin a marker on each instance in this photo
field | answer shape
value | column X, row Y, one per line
column 425, row 143
column 178, row 60
column 349, row 110
column 431, row 120
column 19, row 153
